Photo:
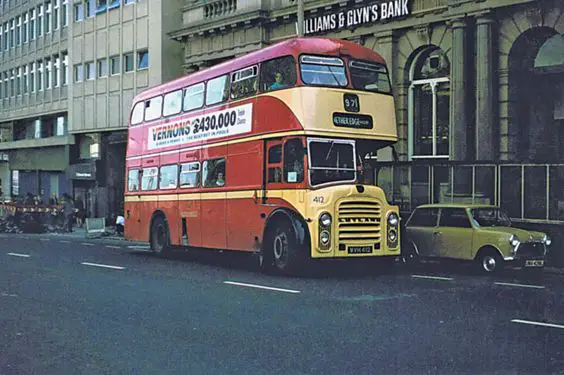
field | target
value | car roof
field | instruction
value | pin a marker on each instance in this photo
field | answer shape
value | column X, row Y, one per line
column 455, row 205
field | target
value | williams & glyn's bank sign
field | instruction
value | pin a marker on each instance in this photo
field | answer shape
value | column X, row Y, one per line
column 351, row 18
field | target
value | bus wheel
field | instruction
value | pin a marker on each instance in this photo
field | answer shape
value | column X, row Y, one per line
column 160, row 240
column 281, row 251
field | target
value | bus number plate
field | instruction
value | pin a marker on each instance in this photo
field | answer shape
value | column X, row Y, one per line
column 351, row 102
column 359, row 249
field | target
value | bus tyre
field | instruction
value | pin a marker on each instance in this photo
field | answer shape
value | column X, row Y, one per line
column 281, row 253
column 160, row 239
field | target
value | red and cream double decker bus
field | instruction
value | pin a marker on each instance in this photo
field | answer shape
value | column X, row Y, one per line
column 262, row 154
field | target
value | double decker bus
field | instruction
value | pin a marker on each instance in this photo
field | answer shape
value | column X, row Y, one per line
column 263, row 154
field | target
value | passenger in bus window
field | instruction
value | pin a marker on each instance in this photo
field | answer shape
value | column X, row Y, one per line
column 278, row 82
column 220, row 181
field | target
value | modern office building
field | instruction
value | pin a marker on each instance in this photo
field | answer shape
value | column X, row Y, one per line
column 479, row 87
column 69, row 72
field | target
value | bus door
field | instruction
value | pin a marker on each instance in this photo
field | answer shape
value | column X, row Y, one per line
column 213, row 198
column 273, row 168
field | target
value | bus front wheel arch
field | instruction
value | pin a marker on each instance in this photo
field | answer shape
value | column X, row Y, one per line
column 284, row 245
column 159, row 235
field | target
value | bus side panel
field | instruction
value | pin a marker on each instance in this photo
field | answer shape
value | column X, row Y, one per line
column 244, row 174
column 149, row 199
column 212, row 206
column 189, row 207
column 168, row 200
column 189, row 203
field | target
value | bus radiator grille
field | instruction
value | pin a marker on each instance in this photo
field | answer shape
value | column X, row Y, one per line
column 359, row 222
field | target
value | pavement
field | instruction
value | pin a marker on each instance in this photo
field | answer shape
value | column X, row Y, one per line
column 75, row 306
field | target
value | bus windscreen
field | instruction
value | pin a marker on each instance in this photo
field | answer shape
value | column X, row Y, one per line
column 331, row 161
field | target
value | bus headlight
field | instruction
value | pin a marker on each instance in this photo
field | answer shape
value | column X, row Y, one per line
column 325, row 220
column 325, row 237
column 393, row 219
column 393, row 230
column 393, row 235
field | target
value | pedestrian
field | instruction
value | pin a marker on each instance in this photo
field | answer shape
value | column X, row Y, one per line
column 120, row 223
column 68, row 211
column 79, row 212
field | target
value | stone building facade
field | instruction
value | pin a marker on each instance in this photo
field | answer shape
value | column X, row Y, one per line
column 479, row 88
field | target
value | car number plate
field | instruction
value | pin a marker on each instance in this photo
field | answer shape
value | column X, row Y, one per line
column 360, row 249
column 534, row 263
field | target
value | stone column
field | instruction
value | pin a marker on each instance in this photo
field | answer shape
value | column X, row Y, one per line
column 485, row 147
column 386, row 47
column 458, row 114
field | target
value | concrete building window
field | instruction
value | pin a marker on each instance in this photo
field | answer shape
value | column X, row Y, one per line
column 6, row 85
column 12, row 33
column 128, row 62
column 115, row 65
column 18, row 81
column 25, row 79
column 25, row 27
column 47, row 18
column 172, row 103
column 48, row 69
column 57, row 72
column 129, row 1
column 18, row 30
column 56, row 14
column 101, row 5
column 32, row 24
column 114, row 4
column 32, row 77
column 61, row 125
column 40, row 76
column 64, row 13
column 65, row 69
column 78, row 73
column 102, row 68
column 142, row 60
column 90, row 70
column 90, row 8
column 194, row 97
column 429, row 103
column 6, row 37
column 39, row 24
column 12, row 82
column 153, row 108
column 78, row 12
column 217, row 90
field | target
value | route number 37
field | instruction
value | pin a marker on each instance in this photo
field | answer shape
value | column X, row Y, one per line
column 319, row 200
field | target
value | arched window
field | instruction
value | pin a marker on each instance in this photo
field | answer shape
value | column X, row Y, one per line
column 429, row 102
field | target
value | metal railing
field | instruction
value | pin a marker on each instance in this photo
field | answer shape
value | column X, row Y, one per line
column 529, row 192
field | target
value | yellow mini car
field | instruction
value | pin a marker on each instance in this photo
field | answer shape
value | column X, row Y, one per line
column 481, row 233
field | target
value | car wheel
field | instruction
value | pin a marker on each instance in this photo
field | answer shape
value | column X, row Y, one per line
column 490, row 262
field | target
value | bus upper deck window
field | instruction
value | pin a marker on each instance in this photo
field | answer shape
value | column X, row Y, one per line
column 368, row 76
column 244, row 82
column 278, row 74
column 323, row 71
column 137, row 113
column 217, row 90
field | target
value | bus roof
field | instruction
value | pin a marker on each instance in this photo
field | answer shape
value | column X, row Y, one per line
column 294, row 47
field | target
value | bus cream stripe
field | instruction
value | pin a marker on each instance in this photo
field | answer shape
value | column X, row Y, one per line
column 241, row 194
column 342, row 134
